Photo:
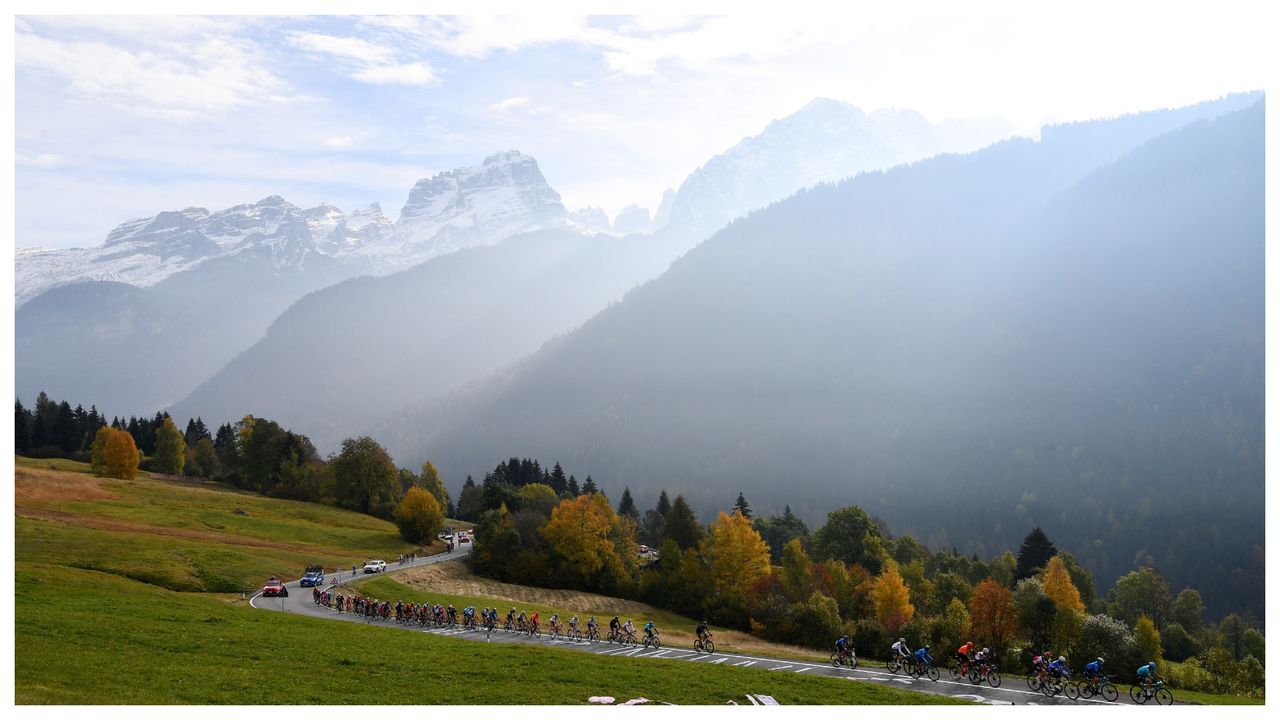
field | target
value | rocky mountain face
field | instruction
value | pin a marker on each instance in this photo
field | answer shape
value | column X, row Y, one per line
column 480, row 205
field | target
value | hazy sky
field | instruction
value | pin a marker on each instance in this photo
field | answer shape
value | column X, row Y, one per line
column 123, row 117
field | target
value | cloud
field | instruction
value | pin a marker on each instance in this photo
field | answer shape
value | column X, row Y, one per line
column 41, row 160
column 179, row 81
column 365, row 61
column 510, row 103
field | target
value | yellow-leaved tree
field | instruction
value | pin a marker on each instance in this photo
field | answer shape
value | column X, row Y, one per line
column 120, row 455
column 892, row 599
column 1058, row 586
column 594, row 549
column 418, row 515
column 736, row 556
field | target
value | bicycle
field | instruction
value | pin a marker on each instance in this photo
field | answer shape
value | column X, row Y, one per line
column 928, row 670
column 593, row 635
column 1059, row 686
column 1099, row 686
column 555, row 632
column 628, row 637
column 704, row 644
column 652, row 640
column 574, row 634
column 533, row 630
column 847, row 659
column 958, row 670
column 897, row 664
column 987, row 672
column 1140, row 694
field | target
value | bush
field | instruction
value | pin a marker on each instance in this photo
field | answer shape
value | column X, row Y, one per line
column 1106, row 637
column 418, row 516
column 817, row 621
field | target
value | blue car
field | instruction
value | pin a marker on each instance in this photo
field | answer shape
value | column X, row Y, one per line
column 313, row 577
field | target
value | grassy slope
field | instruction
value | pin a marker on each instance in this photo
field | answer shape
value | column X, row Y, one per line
column 184, row 535
column 88, row 637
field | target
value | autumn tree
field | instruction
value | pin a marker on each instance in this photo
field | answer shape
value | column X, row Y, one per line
column 736, row 556
column 207, row 458
column 418, row 516
column 850, row 536
column 993, row 617
column 952, row 627
column 1058, row 586
column 892, row 599
column 98, row 451
column 1148, row 640
column 171, row 448
column 795, row 571
column 593, row 548
column 120, row 456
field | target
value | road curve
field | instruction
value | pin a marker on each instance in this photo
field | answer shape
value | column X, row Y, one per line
column 1013, row 692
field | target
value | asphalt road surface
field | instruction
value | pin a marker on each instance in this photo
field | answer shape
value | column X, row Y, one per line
column 1013, row 691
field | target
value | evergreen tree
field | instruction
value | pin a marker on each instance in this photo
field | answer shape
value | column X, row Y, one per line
column 627, row 506
column 80, row 427
column 780, row 530
column 21, row 427
column 589, row 487
column 742, row 507
column 225, row 438
column 664, row 505
column 38, row 437
column 64, row 428
column 190, row 434
column 573, row 486
column 1034, row 554
column 682, row 525
column 558, row 481
column 46, row 412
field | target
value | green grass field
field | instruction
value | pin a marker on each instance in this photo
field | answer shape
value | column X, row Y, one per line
column 89, row 637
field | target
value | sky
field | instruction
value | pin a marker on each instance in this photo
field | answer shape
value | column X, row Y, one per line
column 125, row 116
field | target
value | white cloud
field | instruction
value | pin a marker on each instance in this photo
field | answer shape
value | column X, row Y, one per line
column 349, row 48
column 510, row 103
column 417, row 73
column 178, row 81
column 41, row 160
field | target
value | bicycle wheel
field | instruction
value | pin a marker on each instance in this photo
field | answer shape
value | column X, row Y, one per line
column 1137, row 694
column 835, row 659
column 993, row 679
column 853, row 660
column 1033, row 682
column 1109, row 692
column 1164, row 696
column 933, row 673
column 1072, row 691
column 709, row 646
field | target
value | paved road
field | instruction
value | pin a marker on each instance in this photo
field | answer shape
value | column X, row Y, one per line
column 1014, row 691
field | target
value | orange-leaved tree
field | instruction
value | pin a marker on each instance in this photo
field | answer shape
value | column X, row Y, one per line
column 993, row 618
column 1058, row 586
column 418, row 515
column 594, row 549
column 892, row 599
column 736, row 556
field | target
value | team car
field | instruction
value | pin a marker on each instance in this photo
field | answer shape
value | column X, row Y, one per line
column 275, row 588
column 313, row 577
column 375, row 566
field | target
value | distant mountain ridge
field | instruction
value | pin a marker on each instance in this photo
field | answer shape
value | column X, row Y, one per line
column 504, row 195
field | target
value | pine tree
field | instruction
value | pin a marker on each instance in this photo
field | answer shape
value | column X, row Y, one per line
column 21, row 427
column 627, row 506
column 682, row 525
column 589, row 487
column 1034, row 554
column 559, row 482
column 38, row 437
column 742, row 507
column 664, row 505
column 64, row 428
column 573, row 486
column 225, row 438
column 80, row 426
column 190, row 434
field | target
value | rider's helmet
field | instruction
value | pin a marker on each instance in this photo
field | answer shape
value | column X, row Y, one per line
column 926, row 647
column 1061, row 659
column 1100, row 660
column 1152, row 664
column 902, row 640
column 985, row 650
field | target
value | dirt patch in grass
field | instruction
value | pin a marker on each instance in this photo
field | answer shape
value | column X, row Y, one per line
column 37, row 486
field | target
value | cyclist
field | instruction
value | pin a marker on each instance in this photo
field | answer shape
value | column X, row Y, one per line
column 702, row 631
column 923, row 658
column 591, row 624
column 962, row 655
column 629, row 628
column 1093, row 671
column 1147, row 675
column 650, row 630
column 901, row 651
column 982, row 657
column 555, row 623
column 842, row 646
column 573, row 623
column 521, row 621
column 1059, row 668
column 533, row 620
column 453, row 613
column 613, row 628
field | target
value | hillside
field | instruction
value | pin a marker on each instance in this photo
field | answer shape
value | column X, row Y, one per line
column 1065, row 333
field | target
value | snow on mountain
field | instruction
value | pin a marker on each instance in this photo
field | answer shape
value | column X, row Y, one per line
column 505, row 195
column 824, row 141
column 590, row 220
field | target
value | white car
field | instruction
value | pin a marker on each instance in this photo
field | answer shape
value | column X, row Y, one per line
column 375, row 566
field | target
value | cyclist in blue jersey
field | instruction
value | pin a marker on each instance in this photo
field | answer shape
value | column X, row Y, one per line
column 1147, row 675
column 1093, row 669
column 923, row 658
column 842, row 646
